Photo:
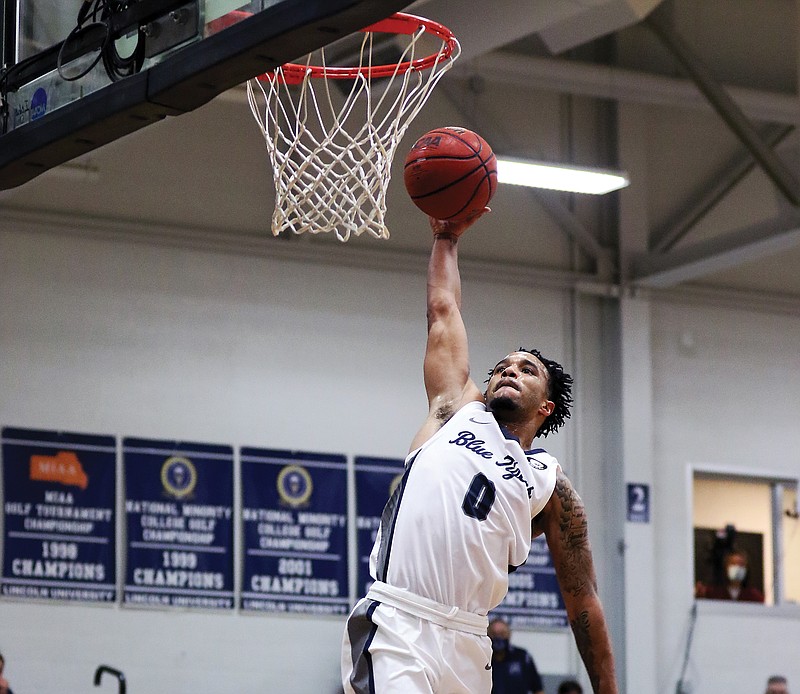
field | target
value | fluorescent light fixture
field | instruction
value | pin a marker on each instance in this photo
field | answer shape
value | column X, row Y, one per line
column 571, row 179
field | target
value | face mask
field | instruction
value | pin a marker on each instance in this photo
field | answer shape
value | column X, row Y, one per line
column 736, row 573
column 499, row 644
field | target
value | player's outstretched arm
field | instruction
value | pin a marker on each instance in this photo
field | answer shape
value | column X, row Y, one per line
column 446, row 366
column 566, row 529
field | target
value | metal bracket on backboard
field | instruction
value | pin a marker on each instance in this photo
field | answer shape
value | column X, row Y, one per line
column 172, row 29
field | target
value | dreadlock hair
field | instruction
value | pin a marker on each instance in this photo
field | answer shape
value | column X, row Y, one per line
column 559, row 390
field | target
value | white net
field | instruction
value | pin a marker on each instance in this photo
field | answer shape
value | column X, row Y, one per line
column 331, row 149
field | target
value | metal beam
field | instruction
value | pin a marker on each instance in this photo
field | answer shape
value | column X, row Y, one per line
column 561, row 24
column 725, row 107
column 496, row 24
column 608, row 82
column 592, row 20
column 702, row 201
column 720, row 253
column 573, row 227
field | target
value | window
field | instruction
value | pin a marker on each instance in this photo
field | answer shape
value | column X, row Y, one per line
column 756, row 519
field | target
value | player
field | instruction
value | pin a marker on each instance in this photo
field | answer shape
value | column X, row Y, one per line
column 472, row 495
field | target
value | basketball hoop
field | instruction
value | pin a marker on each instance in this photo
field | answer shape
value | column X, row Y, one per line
column 326, row 178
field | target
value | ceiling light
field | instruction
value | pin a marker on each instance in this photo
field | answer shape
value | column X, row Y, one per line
column 572, row 179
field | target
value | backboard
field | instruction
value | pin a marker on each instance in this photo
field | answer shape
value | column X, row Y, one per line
column 78, row 75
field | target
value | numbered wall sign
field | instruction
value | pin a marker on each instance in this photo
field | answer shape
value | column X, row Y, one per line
column 376, row 479
column 59, row 494
column 294, row 518
column 179, row 519
column 638, row 503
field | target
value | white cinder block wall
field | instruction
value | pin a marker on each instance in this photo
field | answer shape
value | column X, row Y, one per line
column 124, row 338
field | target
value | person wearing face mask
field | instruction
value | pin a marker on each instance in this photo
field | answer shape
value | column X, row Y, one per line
column 735, row 586
column 513, row 669
column 777, row 684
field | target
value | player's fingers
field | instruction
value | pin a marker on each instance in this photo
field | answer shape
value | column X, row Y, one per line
column 456, row 227
column 479, row 213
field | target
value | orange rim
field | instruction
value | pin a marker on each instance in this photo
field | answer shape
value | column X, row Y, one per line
column 398, row 23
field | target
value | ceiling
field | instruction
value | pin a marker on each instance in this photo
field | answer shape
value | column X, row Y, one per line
column 695, row 99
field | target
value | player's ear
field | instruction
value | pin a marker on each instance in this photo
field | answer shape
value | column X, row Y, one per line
column 547, row 408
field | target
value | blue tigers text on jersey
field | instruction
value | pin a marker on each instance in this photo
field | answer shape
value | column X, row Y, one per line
column 462, row 514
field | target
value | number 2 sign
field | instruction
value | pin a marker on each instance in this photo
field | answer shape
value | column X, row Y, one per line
column 638, row 503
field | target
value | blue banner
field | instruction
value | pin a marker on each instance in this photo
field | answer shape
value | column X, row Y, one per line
column 376, row 479
column 59, row 494
column 534, row 598
column 294, row 518
column 179, row 519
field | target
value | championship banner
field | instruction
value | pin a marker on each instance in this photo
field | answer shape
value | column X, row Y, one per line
column 376, row 479
column 534, row 598
column 179, row 519
column 294, row 518
column 59, row 493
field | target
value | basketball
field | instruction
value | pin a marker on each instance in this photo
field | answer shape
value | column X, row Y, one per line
column 450, row 173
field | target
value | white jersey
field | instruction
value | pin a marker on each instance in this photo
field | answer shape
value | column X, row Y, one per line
column 460, row 520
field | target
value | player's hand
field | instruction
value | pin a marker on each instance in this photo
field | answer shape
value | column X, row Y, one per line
column 453, row 228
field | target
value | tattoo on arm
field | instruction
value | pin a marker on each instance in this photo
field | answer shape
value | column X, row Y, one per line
column 583, row 640
column 566, row 527
column 568, row 536
column 576, row 571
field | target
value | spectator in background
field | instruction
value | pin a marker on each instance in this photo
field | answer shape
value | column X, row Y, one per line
column 513, row 669
column 777, row 684
column 4, row 687
column 735, row 582
column 570, row 687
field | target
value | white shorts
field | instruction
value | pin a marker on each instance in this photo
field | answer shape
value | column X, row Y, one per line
column 414, row 646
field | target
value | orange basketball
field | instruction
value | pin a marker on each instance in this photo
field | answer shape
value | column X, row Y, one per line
column 450, row 173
